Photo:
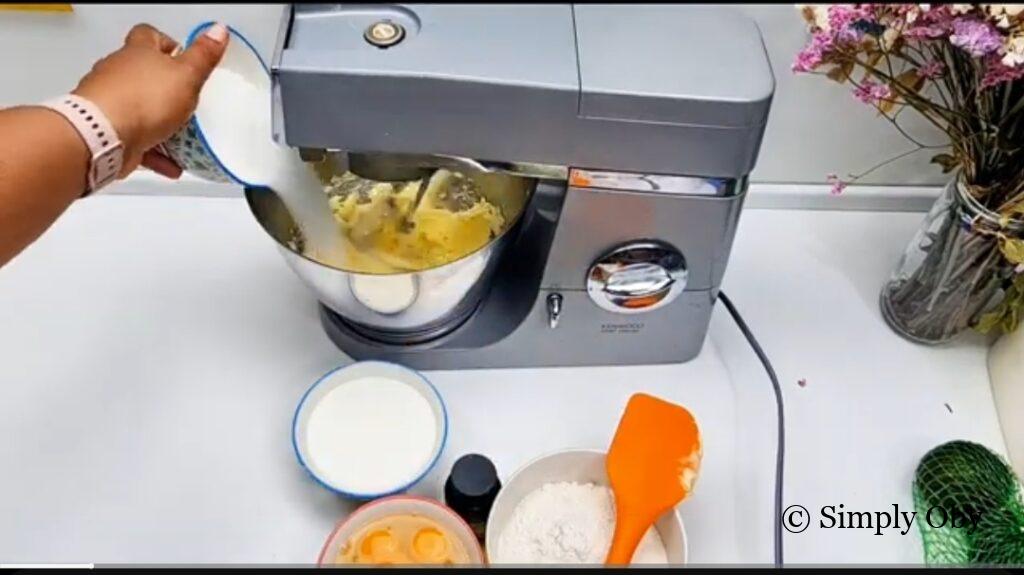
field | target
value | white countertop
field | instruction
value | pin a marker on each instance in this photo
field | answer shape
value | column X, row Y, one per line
column 153, row 349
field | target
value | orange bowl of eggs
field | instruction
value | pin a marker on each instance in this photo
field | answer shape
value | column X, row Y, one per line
column 402, row 530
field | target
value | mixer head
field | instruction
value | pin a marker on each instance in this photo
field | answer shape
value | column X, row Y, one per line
column 402, row 168
column 393, row 167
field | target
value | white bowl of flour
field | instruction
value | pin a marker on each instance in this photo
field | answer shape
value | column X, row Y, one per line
column 369, row 429
column 558, row 509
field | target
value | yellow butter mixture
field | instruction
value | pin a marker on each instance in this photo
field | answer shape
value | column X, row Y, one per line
column 453, row 220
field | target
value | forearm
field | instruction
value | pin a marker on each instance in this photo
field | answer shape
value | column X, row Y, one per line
column 43, row 168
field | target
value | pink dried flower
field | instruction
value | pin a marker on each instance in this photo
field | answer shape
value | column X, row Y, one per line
column 843, row 20
column 976, row 37
column 812, row 55
column 925, row 32
column 931, row 69
column 831, row 26
column 871, row 92
column 928, row 24
column 837, row 185
column 996, row 72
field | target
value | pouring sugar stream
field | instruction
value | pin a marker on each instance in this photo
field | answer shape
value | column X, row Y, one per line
column 229, row 139
column 234, row 110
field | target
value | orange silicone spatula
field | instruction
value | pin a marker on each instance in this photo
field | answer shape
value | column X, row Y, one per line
column 652, row 465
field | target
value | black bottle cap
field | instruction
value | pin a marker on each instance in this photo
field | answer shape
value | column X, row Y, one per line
column 472, row 486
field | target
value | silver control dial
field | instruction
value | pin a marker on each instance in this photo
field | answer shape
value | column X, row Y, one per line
column 637, row 277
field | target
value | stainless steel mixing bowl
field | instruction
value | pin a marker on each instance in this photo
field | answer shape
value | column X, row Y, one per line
column 439, row 299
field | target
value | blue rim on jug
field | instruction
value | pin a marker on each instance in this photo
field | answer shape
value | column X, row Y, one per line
column 399, row 489
column 189, row 147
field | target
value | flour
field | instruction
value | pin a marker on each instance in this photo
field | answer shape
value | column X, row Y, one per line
column 371, row 434
column 234, row 113
column 568, row 523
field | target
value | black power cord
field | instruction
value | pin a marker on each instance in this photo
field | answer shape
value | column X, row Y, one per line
column 780, row 451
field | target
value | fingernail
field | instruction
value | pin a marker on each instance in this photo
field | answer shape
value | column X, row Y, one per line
column 218, row 33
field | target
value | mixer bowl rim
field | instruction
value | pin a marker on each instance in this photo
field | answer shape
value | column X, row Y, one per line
column 249, row 190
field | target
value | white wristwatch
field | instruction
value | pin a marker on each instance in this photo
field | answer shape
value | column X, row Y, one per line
column 105, row 147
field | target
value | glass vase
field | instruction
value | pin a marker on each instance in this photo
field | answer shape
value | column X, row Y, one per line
column 953, row 271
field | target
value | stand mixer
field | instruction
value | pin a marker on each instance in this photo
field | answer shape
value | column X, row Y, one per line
column 620, row 138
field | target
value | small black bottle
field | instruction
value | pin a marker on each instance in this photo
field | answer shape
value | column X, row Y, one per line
column 470, row 490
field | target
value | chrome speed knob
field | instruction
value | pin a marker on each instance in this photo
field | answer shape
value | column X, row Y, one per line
column 637, row 277
column 384, row 33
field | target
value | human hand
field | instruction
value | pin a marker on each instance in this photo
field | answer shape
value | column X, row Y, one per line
column 147, row 94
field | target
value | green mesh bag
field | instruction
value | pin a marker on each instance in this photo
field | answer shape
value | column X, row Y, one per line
column 966, row 479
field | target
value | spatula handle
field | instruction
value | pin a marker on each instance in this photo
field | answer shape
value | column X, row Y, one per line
column 629, row 531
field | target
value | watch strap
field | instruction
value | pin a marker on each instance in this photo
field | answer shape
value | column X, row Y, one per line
column 105, row 147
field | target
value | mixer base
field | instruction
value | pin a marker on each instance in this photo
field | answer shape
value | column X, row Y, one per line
column 497, row 337
column 401, row 339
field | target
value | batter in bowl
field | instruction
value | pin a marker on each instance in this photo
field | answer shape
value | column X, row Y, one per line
column 453, row 220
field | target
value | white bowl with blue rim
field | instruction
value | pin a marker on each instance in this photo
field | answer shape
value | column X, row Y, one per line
column 337, row 377
column 199, row 147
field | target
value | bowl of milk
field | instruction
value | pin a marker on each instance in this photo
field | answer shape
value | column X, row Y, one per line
column 369, row 429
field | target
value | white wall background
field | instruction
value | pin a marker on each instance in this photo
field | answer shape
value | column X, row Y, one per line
column 815, row 128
